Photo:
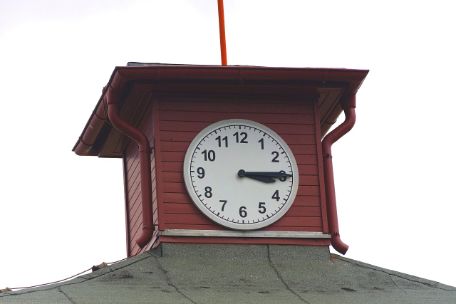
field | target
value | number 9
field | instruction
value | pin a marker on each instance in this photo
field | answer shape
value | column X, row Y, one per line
column 201, row 172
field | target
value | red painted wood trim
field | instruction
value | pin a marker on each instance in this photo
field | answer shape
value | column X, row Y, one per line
column 158, row 158
column 258, row 241
column 321, row 175
column 127, row 209
column 218, row 227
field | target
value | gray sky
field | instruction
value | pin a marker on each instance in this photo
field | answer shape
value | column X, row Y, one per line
column 395, row 171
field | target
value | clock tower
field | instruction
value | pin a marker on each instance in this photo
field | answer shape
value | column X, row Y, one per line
column 232, row 154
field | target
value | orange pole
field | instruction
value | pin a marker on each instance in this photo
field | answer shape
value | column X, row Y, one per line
column 222, row 31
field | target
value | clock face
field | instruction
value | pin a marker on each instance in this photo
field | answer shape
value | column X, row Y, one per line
column 241, row 174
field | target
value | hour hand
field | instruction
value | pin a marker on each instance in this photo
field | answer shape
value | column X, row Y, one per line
column 263, row 176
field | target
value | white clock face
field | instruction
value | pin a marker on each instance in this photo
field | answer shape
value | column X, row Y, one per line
column 241, row 174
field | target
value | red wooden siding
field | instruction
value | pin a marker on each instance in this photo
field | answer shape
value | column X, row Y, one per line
column 133, row 190
column 179, row 120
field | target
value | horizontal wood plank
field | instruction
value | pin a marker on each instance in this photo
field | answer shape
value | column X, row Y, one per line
column 196, row 126
column 177, row 177
column 183, row 198
column 308, row 221
column 193, row 218
column 173, row 208
column 170, row 146
column 182, row 136
column 309, row 190
column 259, row 117
column 237, row 107
column 180, row 188
column 211, row 226
column 178, row 167
column 298, row 149
column 300, row 211
column 307, row 200
column 172, row 177
column 306, row 159
column 308, row 180
column 301, row 159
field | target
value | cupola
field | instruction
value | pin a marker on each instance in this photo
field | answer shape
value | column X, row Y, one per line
column 224, row 154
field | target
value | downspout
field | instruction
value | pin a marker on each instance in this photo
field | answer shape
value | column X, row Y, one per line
column 350, row 118
column 144, row 161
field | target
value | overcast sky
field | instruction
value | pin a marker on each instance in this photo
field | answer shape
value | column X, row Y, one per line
column 394, row 172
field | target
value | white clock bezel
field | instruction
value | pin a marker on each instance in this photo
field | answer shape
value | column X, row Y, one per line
column 240, row 226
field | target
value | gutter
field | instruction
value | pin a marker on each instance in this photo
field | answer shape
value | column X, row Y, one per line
column 144, row 161
column 350, row 118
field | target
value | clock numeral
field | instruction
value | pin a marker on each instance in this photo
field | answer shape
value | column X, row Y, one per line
column 208, row 192
column 282, row 178
column 243, row 211
column 261, row 141
column 209, row 155
column 241, row 137
column 222, row 139
column 276, row 155
column 201, row 172
column 262, row 207
column 276, row 195
column 224, row 203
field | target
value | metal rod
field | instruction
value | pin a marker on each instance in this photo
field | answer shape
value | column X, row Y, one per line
column 221, row 15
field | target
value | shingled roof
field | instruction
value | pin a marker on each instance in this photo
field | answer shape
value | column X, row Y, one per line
column 179, row 273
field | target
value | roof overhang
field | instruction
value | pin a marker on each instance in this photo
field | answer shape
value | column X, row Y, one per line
column 137, row 85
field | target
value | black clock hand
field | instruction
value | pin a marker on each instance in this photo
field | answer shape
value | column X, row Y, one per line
column 263, row 176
